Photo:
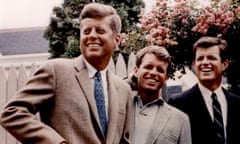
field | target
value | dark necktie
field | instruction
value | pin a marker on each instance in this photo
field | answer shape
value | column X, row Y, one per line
column 100, row 102
column 218, row 120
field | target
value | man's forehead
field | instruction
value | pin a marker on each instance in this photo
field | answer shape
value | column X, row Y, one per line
column 94, row 21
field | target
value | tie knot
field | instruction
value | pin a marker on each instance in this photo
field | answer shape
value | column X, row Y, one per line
column 214, row 96
column 98, row 75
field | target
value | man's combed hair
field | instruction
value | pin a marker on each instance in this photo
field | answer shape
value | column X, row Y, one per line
column 207, row 41
column 158, row 51
column 97, row 10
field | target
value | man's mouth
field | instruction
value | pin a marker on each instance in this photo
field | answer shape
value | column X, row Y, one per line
column 93, row 44
column 206, row 69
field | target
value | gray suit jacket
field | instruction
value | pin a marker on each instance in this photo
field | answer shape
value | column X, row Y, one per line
column 63, row 95
column 171, row 126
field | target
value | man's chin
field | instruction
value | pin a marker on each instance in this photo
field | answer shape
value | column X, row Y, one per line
column 151, row 90
column 94, row 56
column 207, row 78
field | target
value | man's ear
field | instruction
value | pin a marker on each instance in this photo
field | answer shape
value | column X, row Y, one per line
column 134, row 74
column 118, row 39
column 193, row 67
column 135, row 70
column 225, row 64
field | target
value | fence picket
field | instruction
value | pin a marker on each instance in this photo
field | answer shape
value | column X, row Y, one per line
column 12, row 82
column 112, row 66
column 22, row 77
column 3, row 87
column 121, row 69
column 11, row 89
column 131, row 62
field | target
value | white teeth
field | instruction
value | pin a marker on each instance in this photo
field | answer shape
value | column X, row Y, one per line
column 93, row 44
column 152, row 80
column 206, row 69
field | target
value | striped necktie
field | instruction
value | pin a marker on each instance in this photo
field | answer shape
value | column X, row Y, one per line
column 100, row 102
column 218, row 120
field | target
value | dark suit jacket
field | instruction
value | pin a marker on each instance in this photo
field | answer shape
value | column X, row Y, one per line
column 61, row 91
column 192, row 103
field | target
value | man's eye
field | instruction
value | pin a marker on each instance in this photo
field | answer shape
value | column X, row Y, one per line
column 148, row 67
column 160, row 70
column 101, row 31
column 212, row 58
column 199, row 58
column 86, row 31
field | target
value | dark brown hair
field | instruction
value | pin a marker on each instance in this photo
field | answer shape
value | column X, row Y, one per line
column 97, row 10
column 160, row 52
column 207, row 41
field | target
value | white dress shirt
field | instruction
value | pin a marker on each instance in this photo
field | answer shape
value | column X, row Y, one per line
column 206, row 93
column 91, row 73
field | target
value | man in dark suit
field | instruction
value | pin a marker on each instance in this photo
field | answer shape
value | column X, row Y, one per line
column 63, row 91
column 210, row 124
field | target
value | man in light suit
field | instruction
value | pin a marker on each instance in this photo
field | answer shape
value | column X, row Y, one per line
column 62, row 91
column 153, row 120
column 210, row 61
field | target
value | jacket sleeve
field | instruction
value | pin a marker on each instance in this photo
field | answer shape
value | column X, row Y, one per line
column 18, row 116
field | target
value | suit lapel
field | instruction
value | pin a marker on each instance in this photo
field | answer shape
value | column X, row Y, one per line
column 201, row 106
column 133, row 114
column 113, row 107
column 160, row 121
column 231, row 112
column 86, row 87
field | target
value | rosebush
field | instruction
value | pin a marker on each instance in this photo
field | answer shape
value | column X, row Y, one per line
column 178, row 24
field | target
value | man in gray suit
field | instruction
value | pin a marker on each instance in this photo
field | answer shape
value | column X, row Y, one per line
column 62, row 91
column 153, row 120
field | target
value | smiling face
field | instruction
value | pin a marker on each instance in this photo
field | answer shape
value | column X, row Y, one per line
column 151, row 74
column 97, row 41
column 209, row 67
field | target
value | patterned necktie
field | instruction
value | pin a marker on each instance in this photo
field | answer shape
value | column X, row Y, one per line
column 100, row 102
column 218, row 120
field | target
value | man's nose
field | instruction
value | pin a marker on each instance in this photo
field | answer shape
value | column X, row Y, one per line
column 205, row 61
column 93, row 34
column 153, row 71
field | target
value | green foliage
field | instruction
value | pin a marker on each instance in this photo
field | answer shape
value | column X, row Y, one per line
column 63, row 31
column 133, row 40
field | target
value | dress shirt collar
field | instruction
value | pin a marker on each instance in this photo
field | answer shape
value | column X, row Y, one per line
column 91, row 73
column 206, row 92
column 92, row 70
column 139, row 103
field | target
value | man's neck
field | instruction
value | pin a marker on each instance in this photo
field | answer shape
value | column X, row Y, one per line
column 148, row 97
column 211, row 86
